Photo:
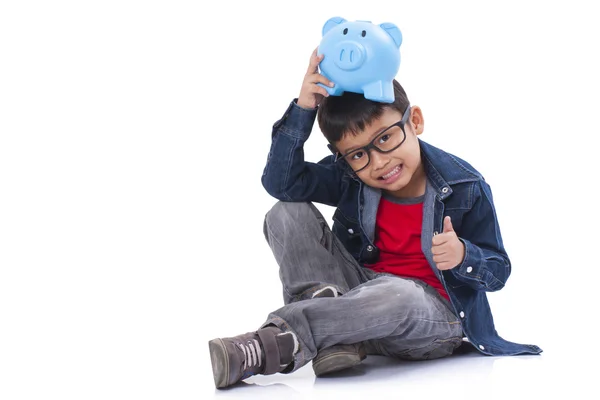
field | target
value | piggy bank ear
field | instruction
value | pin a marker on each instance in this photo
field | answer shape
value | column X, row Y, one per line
column 331, row 23
column 393, row 31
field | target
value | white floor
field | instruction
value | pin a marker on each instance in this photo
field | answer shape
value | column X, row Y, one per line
column 462, row 376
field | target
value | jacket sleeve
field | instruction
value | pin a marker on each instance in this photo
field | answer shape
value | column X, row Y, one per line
column 287, row 176
column 486, row 265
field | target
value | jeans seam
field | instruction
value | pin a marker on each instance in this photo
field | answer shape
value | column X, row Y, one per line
column 273, row 236
column 370, row 327
column 347, row 260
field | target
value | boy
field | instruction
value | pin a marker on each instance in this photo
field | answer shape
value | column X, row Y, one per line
column 403, row 272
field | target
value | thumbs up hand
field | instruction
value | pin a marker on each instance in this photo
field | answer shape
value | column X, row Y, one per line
column 448, row 251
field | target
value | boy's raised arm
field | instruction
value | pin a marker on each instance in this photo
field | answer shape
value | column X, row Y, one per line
column 287, row 176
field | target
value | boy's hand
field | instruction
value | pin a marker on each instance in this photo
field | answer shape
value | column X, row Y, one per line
column 311, row 94
column 448, row 251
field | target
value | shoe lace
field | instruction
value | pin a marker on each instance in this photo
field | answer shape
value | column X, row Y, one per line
column 252, row 353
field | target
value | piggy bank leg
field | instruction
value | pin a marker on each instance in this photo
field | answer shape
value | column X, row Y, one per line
column 333, row 91
column 379, row 91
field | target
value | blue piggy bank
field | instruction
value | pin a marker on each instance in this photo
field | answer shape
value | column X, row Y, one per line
column 360, row 57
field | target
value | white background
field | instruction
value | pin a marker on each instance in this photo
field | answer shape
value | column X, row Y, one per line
column 133, row 135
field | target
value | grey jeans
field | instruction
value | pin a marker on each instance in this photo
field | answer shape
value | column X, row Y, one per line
column 392, row 316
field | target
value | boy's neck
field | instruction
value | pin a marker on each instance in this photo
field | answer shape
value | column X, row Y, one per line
column 416, row 186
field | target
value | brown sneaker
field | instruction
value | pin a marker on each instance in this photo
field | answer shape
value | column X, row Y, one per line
column 266, row 351
column 337, row 358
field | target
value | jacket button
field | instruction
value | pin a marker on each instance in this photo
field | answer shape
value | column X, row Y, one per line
column 369, row 248
column 350, row 231
column 469, row 270
column 444, row 190
column 435, row 233
column 462, row 314
column 481, row 347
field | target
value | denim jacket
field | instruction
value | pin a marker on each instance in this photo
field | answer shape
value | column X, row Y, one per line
column 454, row 188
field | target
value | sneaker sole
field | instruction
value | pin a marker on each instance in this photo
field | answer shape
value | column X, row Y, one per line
column 219, row 361
column 336, row 362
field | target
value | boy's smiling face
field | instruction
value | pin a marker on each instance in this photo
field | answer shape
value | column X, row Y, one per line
column 399, row 172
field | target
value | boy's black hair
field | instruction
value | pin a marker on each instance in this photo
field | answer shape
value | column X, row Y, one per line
column 352, row 112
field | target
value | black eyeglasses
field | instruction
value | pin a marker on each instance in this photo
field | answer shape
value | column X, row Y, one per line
column 387, row 141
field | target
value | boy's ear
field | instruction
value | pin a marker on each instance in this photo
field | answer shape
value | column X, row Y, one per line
column 393, row 31
column 417, row 120
column 331, row 23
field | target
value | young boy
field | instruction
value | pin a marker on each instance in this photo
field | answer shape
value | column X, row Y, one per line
column 415, row 244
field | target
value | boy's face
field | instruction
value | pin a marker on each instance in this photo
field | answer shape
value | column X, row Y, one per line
column 398, row 171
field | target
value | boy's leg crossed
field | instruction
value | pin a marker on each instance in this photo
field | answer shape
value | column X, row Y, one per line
column 313, row 264
column 403, row 318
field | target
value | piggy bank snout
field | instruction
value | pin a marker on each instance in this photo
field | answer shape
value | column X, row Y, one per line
column 349, row 55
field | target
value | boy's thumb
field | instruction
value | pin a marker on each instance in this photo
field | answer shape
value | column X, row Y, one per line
column 448, row 225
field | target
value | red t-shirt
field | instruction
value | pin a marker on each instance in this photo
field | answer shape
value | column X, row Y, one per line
column 398, row 237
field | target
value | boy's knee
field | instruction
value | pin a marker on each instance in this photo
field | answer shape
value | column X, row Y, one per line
column 286, row 208
column 285, row 211
column 404, row 296
column 403, row 291
column 288, row 216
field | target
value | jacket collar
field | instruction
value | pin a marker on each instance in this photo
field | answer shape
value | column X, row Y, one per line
column 444, row 170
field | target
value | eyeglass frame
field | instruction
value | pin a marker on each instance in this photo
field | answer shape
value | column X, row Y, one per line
column 371, row 145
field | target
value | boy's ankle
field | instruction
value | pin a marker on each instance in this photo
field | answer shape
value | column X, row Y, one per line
column 286, row 344
column 266, row 351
